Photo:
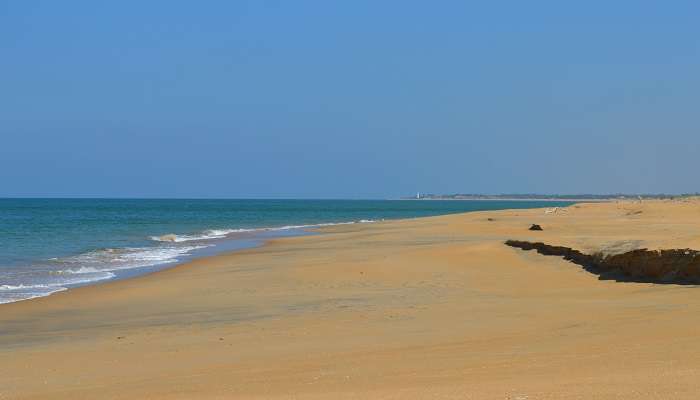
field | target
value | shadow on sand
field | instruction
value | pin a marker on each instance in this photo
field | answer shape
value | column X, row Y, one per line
column 675, row 266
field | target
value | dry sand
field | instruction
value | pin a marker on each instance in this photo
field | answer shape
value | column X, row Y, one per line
column 432, row 308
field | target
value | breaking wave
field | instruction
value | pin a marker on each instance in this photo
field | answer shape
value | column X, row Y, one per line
column 61, row 273
column 94, row 266
column 222, row 233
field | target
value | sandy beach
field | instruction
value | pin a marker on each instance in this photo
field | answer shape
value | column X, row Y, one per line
column 429, row 308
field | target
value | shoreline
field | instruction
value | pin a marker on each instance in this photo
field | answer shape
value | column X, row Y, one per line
column 233, row 242
column 194, row 246
column 356, row 312
column 192, row 259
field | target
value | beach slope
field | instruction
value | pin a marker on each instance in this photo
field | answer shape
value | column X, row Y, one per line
column 433, row 308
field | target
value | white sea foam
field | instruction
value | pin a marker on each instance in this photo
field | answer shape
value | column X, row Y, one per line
column 11, row 297
column 91, row 267
column 59, row 282
column 106, row 260
column 12, row 293
column 206, row 235
column 82, row 278
column 103, row 264
column 222, row 233
column 81, row 270
column 22, row 287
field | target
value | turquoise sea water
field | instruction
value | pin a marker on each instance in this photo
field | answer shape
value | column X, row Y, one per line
column 48, row 245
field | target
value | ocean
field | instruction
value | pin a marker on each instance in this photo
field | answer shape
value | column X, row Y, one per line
column 50, row 245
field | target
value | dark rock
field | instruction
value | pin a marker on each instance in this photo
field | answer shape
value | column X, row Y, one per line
column 680, row 266
column 535, row 227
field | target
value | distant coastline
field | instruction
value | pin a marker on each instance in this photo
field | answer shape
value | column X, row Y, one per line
column 503, row 199
column 546, row 197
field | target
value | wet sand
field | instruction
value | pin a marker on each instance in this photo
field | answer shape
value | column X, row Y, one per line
column 431, row 308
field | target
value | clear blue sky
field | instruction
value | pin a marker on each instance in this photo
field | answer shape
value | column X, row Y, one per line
column 350, row 99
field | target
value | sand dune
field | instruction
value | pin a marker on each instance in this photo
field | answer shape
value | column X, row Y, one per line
column 427, row 308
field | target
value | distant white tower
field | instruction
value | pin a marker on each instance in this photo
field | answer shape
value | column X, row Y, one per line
column 418, row 196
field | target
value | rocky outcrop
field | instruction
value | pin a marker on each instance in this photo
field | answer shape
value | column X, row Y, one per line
column 681, row 266
column 535, row 227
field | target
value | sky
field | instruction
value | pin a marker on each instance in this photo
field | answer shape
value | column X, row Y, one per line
column 348, row 99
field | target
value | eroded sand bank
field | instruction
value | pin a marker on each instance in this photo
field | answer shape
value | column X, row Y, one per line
column 427, row 308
